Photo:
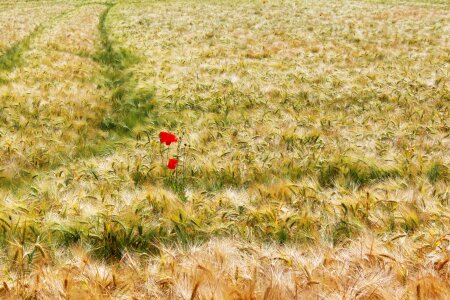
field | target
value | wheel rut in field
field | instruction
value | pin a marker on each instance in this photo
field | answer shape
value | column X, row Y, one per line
column 77, row 95
column 52, row 103
column 18, row 36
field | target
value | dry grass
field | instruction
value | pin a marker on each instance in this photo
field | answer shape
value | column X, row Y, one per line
column 318, row 163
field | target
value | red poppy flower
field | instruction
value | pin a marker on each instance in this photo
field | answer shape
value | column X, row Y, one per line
column 167, row 138
column 172, row 163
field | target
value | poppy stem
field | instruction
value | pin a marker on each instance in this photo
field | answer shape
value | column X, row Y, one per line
column 178, row 157
column 185, row 160
column 162, row 158
column 160, row 153
column 167, row 154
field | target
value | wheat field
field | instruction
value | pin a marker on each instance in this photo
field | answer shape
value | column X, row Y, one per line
column 312, row 142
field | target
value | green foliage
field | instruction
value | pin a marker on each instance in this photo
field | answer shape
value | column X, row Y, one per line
column 438, row 171
column 67, row 235
column 344, row 230
column 117, row 59
column 352, row 174
column 13, row 55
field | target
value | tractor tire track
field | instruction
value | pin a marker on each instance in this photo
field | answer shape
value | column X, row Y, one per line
column 52, row 103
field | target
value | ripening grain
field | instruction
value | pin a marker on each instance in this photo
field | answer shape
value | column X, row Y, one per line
column 18, row 21
column 53, row 102
column 316, row 163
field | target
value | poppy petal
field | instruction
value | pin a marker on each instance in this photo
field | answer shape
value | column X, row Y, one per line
column 172, row 164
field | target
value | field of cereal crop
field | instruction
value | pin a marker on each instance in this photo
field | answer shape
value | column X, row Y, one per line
column 313, row 149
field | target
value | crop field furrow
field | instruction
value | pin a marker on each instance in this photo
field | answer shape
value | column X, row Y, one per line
column 228, row 150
